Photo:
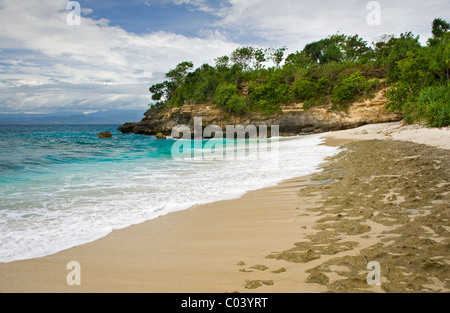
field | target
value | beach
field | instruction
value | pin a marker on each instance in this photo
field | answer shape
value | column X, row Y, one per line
column 384, row 198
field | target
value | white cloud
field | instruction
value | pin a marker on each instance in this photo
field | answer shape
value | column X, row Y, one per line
column 46, row 63
column 62, row 96
column 295, row 23
column 87, row 11
column 200, row 5
column 48, row 50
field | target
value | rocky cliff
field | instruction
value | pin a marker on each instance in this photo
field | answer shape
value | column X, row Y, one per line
column 292, row 119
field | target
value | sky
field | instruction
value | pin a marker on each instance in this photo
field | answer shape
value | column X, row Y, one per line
column 50, row 62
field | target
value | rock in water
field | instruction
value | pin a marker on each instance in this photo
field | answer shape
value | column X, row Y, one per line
column 161, row 136
column 127, row 128
column 105, row 135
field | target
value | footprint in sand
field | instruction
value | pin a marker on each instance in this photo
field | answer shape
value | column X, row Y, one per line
column 259, row 267
column 253, row 284
column 279, row 271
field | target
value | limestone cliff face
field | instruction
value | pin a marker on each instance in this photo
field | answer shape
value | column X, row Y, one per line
column 292, row 119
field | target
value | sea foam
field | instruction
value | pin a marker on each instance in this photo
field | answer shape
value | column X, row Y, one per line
column 76, row 200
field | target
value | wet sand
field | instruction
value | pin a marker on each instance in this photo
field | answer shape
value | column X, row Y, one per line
column 383, row 201
column 217, row 247
column 378, row 200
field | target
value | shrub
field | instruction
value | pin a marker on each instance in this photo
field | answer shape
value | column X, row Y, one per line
column 226, row 96
column 302, row 89
column 349, row 86
column 433, row 106
column 236, row 104
column 323, row 85
column 223, row 93
column 267, row 97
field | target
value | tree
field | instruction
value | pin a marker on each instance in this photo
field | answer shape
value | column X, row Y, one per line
column 315, row 50
column 178, row 74
column 299, row 59
column 276, row 55
column 260, row 57
column 381, row 46
column 327, row 71
column 249, row 58
column 396, row 50
column 441, row 44
column 421, row 90
column 325, row 50
column 355, row 47
column 158, row 91
column 331, row 53
column 439, row 27
column 222, row 62
column 200, row 85
column 243, row 57
column 165, row 91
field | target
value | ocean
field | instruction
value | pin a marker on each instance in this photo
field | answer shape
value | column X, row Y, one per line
column 62, row 186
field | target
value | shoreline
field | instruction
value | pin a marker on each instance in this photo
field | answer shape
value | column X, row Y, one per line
column 217, row 247
column 153, row 255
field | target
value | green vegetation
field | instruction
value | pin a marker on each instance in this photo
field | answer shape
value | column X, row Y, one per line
column 336, row 70
column 421, row 88
column 227, row 97
column 433, row 105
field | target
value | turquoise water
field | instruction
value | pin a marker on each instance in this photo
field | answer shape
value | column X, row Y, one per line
column 61, row 186
column 42, row 149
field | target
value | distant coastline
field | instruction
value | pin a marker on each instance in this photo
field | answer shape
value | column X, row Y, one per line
column 110, row 117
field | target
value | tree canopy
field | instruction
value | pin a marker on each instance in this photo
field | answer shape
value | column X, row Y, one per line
column 335, row 70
